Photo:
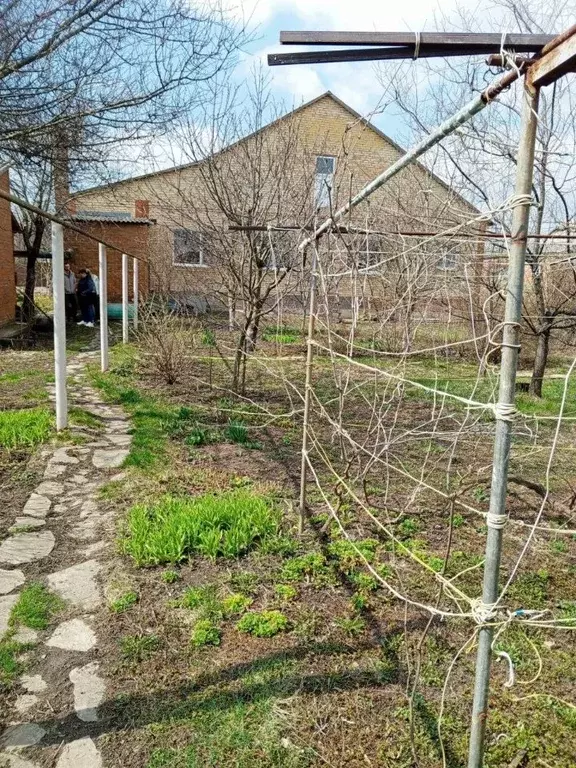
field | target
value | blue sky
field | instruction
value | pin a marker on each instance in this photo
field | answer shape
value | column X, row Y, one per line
column 354, row 83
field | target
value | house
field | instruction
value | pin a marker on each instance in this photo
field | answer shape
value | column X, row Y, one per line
column 309, row 160
column 7, row 269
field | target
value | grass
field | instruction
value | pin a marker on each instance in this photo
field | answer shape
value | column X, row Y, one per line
column 25, row 428
column 137, row 648
column 124, row 602
column 84, row 418
column 36, row 607
column 10, row 665
column 281, row 334
column 236, row 432
column 176, row 528
column 263, row 624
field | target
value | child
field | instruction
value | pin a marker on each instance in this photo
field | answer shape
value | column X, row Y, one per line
column 86, row 293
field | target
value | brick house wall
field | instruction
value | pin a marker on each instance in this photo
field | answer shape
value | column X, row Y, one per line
column 415, row 201
column 132, row 236
column 7, row 267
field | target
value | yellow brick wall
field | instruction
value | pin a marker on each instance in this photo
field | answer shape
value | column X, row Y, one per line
column 414, row 201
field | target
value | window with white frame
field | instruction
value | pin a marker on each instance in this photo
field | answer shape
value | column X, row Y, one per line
column 324, row 182
column 188, row 248
column 446, row 262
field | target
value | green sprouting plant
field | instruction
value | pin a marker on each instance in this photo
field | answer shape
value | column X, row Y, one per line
column 458, row 520
column 408, row 527
column 175, row 528
column 359, row 601
column 285, row 592
column 136, row 648
column 363, row 581
column 235, row 604
column 204, row 599
column 205, row 632
column 311, row 567
column 351, row 554
column 35, row 607
column 236, row 432
column 480, row 494
column 245, row 582
column 170, row 577
column 124, row 602
column 351, row 625
column 530, row 590
column 559, row 546
column 279, row 545
column 197, row 436
column 282, row 334
column 11, row 665
column 208, row 337
column 263, row 624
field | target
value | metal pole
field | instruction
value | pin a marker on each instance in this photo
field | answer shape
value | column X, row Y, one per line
column 307, row 390
column 59, row 326
column 135, row 289
column 124, row 298
column 502, row 441
column 103, row 271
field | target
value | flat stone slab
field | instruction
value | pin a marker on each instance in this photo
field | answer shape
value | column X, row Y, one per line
column 78, row 584
column 37, row 505
column 25, row 635
column 50, row 488
column 8, row 760
column 6, row 604
column 120, row 440
column 78, row 753
column 111, row 459
column 22, row 735
column 89, row 691
column 26, row 547
column 54, row 470
column 89, row 508
column 24, row 702
column 27, row 522
column 33, row 683
column 61, row 457
column 9, row 580
column 73, row 635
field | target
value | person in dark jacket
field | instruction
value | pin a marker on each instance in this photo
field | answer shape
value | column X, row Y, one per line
column 86, row 295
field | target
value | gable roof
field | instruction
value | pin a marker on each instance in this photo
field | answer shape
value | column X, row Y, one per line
column 296, row 110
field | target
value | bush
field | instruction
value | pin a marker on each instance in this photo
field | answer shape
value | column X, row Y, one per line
column 175, row 528
column 263, row 624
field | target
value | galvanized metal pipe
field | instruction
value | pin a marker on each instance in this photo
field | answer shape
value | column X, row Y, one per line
column 103, row 273
column 136, row 292
column 124, row 298
column 59, row 298
column 506, row 395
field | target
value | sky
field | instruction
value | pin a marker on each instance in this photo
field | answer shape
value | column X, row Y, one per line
column 355, row 83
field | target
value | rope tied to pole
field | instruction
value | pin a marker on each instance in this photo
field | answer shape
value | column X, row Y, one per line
column 482, row 613
column 417, row 36
column 504, row 411
column 497, row 522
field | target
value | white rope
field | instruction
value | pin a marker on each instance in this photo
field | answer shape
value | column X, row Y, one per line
column 505, row 411
column 497, row 522
column 416, row 45
column 511, row 675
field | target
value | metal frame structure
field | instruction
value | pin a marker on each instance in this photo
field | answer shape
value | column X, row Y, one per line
column 554, row 57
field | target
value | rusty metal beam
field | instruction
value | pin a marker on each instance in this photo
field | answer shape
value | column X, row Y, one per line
column 556, row 63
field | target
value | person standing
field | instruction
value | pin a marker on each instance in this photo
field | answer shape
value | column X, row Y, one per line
column 70, row 302
column 86, row 292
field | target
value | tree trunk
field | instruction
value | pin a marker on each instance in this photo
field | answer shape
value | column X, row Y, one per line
column 29, row 288
column 540, row 360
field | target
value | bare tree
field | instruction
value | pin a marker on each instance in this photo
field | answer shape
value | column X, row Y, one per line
column 480, row 158
column 78, row 80
column 263, row 181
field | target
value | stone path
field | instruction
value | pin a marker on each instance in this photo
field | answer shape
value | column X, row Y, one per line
column 63, row 544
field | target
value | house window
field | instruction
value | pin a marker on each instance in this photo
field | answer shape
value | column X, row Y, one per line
column 188, row 251
column 446, row 262
column 325, row 167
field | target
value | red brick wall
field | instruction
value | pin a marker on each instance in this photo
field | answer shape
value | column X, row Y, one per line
column 133, row 238
column 7, row 268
